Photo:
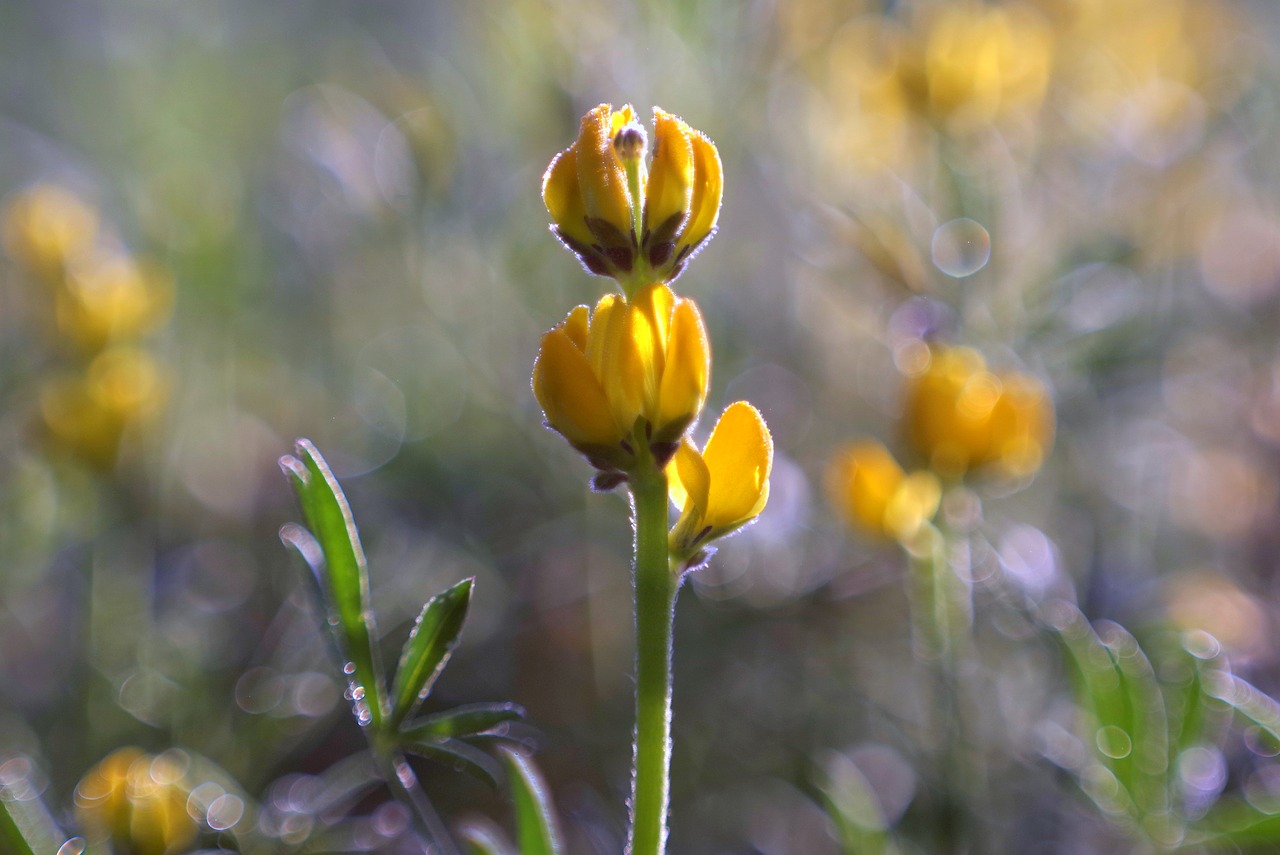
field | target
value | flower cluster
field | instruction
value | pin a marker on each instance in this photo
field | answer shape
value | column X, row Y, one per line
column 626, row 382
column 959, row 417
column 637, row 222
column 99, row 304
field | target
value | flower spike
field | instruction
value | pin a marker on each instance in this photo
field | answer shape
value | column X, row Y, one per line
column 637, row 223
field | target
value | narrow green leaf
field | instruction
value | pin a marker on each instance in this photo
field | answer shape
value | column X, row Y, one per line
column 1233, row 824
column 428, row 648
column 484, row 838
column 10, row 835
column 457, row 755
column 463, row 721
column 536, row 832
column 345, row 575
column 851, row 803
column 1145, row 721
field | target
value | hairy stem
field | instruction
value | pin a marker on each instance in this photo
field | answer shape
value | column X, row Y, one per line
column 656, row 586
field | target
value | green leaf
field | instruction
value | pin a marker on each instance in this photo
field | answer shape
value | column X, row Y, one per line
column 10, row 835
column 345, row 576
column 536, row 832
column 1236, row 824
column 1247, row 700
column 463, row 721
column 457, row 755
column 1126, row 723
column 428, row 648
column 484, row 838
column 851, row 802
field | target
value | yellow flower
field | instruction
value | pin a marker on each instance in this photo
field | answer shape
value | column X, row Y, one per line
column 638, row 223
column 626, row 380
column 960, row 415
column 138, row 802
column 869, row 488
column 723, row 487
column 46, row 227
column 981, row 62
column 112, row 298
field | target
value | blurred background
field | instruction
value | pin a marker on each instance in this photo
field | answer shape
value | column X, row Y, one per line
column 230, row 224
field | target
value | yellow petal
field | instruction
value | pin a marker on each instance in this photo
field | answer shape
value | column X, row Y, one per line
column 571, row 397
column 600, row 173
column 688, row 366
column 671, row 174
column 613, row 355
column 689, row 479
column 576, row 325
column 651, row 321
column 562, row 194
column 864, row 479
column 913, row 504
column 739, row 456
column 708, row 188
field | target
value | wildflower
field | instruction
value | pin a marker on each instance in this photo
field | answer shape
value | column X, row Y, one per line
column 138, row 802
column 961, row 416
column 638, row 223
column 46, row 227
column 723, row 487
column 628, row 379
column 869, row 488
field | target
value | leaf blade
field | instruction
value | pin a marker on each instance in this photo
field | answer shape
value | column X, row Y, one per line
column 536, row 832
column 428, row 648
column 345, row 575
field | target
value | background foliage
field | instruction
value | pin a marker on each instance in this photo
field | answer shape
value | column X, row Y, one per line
column 323, row 220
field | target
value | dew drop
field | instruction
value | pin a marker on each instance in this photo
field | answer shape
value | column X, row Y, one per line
column 349, row 668
column 961, row 247
column 1113, row 742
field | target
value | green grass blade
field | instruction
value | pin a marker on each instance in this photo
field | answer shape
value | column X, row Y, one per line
column 345, row 575
column 1146, row 722
column 464, row 721
column 484, row 838
column 10, row 835
column 428, row 648
column 457, row 755
column 1235, row 825
column 535, row 818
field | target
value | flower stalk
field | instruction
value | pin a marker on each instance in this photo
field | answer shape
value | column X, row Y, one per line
column 655, row 597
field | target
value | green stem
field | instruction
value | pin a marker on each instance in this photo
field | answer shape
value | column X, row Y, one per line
column 656, row 586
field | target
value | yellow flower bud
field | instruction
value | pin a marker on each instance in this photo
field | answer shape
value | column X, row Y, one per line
column 138, row 802
column 726, row 485
column 639, row 224
column 869, row 489
column 628, row 379
column 961, row 416
column 47, row 227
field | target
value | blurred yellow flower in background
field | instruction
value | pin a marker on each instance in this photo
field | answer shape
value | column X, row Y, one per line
column 974, row 62
column 960, row 416
column 726, row 485
column 90, row 412
column 869, row 489
column 638, row 223
column 631, row 375
column 110, row 297
column 137, row 802
column 46, row 227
